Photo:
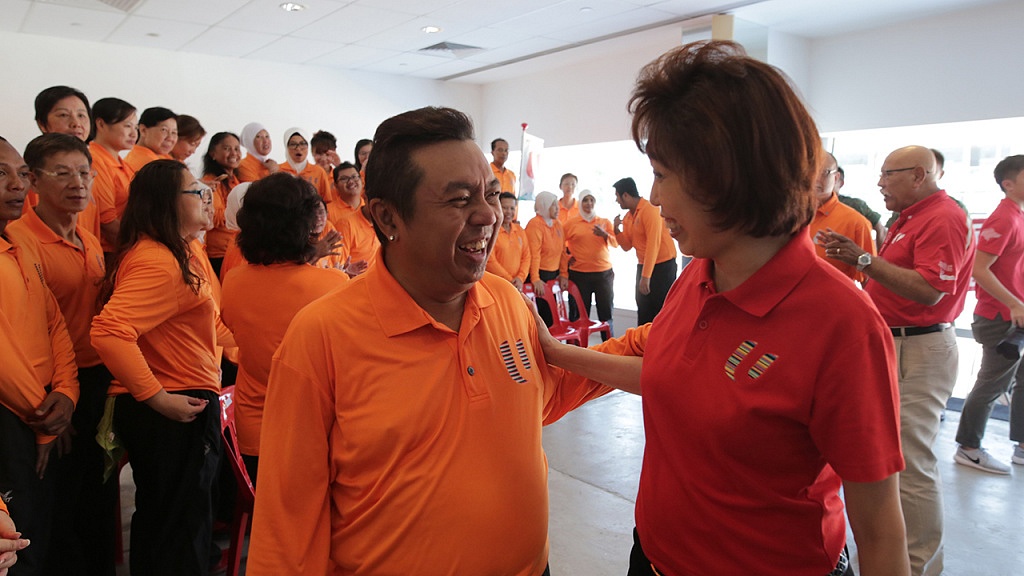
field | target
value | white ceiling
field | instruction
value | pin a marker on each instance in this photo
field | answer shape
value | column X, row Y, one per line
column 386, row 36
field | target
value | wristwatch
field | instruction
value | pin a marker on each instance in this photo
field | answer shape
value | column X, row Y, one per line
column 863, row 261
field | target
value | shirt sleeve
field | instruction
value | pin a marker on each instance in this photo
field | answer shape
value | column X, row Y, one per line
column 534, row 237
column 293, row 535
column 65, row 370
column 527, row 259
column 940, row 251
column 140, row 302
column 653, row 226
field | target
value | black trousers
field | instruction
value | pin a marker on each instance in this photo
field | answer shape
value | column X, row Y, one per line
column 639, row 565
column 599, row 285
column 174, row 465
column 84, row 527
column 29, row 498
column 542, row 306
column 648, row 305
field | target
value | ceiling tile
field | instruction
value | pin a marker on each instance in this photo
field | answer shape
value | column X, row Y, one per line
column 352, row 56
column 14, row 12
column 199, row 11
column 293, row 50
column 418, row 8
column 567, row 14
column 267, row 16
column 84, row 4
column 488, row 12
column 611, row 25
column 68, row 22
column 169, row 35
column 352, row 23
column 404, row 63
column 410, row 36
column 445, row 69
column 227, row 42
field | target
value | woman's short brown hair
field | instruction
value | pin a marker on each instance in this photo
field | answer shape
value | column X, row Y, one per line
column 737, row 133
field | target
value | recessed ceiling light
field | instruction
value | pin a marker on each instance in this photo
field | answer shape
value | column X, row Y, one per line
column 431, row 29
column 292, row 7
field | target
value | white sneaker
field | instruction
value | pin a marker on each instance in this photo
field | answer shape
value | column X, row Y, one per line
column 1018, row 455
column 981, row 460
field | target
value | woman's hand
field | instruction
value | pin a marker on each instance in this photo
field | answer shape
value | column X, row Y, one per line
column 177, row 407
column 329, row 244
column 10, row 543
column 538, row 289
column 271, row 165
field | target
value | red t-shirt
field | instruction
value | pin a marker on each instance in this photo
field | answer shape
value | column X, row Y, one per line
column 756, row 402
column 1002, row 235
column 934, row 239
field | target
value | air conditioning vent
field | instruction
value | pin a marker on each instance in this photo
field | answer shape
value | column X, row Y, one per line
column 452, row 49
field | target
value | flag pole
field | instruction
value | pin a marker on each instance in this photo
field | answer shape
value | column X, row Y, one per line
column 522, row 160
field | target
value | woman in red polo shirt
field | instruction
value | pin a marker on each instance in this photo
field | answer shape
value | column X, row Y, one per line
column 768, row 379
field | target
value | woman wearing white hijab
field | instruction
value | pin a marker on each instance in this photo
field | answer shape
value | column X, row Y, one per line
column 296, row 141
column 548, row 259
column 257, row 163
column 588, row 238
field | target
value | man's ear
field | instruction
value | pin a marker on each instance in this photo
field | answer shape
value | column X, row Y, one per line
column 385, row 217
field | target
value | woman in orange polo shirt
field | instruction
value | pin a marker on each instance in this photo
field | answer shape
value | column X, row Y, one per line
column 157, row 333
column 220, row 170
column 64, row 110
column 115, row 128
column 547, row 249
column 275, row 221
column 257, row 162
column 158, row 133
column 588, row 237
column 190, row 135
column 296, row 141
column 362, row 153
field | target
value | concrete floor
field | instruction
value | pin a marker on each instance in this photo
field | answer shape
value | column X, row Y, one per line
column 595, row 454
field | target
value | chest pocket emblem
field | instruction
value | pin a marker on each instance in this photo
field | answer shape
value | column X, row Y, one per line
column 740, row 354
column 509, row 358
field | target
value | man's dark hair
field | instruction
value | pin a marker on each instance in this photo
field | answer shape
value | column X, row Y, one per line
column 1007, row 169
column 42, row 147
column 391, row 174
column 340, row 167
column 507, row 196
column 940, row 160
column 322, row 141
column 626, row 187
column 111, row 111
column 277, row 219
column 494, row 143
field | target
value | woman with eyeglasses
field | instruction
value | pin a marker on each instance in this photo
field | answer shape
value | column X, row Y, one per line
column 296, row 141
column 158, row 133
column 114, row 129
column 257, row 162
column 220, row 170
column 157, row 333
column 276, row 221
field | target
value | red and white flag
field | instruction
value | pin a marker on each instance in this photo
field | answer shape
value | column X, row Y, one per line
column 529, row 164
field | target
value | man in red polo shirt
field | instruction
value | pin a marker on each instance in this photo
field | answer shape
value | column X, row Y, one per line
column 918, row 282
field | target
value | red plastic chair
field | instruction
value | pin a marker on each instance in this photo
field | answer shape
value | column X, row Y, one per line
column 584, row 324
column 246, row 499
column 560, row 330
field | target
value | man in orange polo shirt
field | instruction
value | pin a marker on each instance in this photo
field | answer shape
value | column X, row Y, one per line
column 348, row 192
column 72, row 265
column 414, row 447
column 838, row 217
column 38, row 384
column 644, row 229
column 354, row 225
column 506, row 178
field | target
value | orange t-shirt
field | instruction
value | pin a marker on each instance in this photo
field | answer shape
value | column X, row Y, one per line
column 589, row 250
column 258, row 319
column 564, row 214
column 73, row 274
column 109, row 189
column 547, row 247
column 34, row 343
column 360, row 239
column 510, row 258
column 646, row 231
column 316, row 176
column 338, row 211
column 506, row 178
column 250, row 169
column 155, row 333
column 218, row 238
column 393, row 444
column 139, row 156
column 845, row 220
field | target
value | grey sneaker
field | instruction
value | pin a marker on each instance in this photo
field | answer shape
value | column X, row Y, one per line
column 1018, row 455
column 981, row 460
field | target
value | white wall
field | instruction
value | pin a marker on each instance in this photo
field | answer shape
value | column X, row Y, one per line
column 960, row 66
column 224, row 93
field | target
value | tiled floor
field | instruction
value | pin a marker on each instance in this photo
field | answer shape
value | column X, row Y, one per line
column 596, row 452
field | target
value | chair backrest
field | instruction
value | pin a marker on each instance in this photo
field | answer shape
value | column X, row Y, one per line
column 227, row 423
column 574, row 293
column 557, row 300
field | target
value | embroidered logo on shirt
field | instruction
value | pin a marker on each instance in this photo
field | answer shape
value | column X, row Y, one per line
column 898, row 237
column 739, row 355
column 509, row 358
column 946, row 271
column 990, row 234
